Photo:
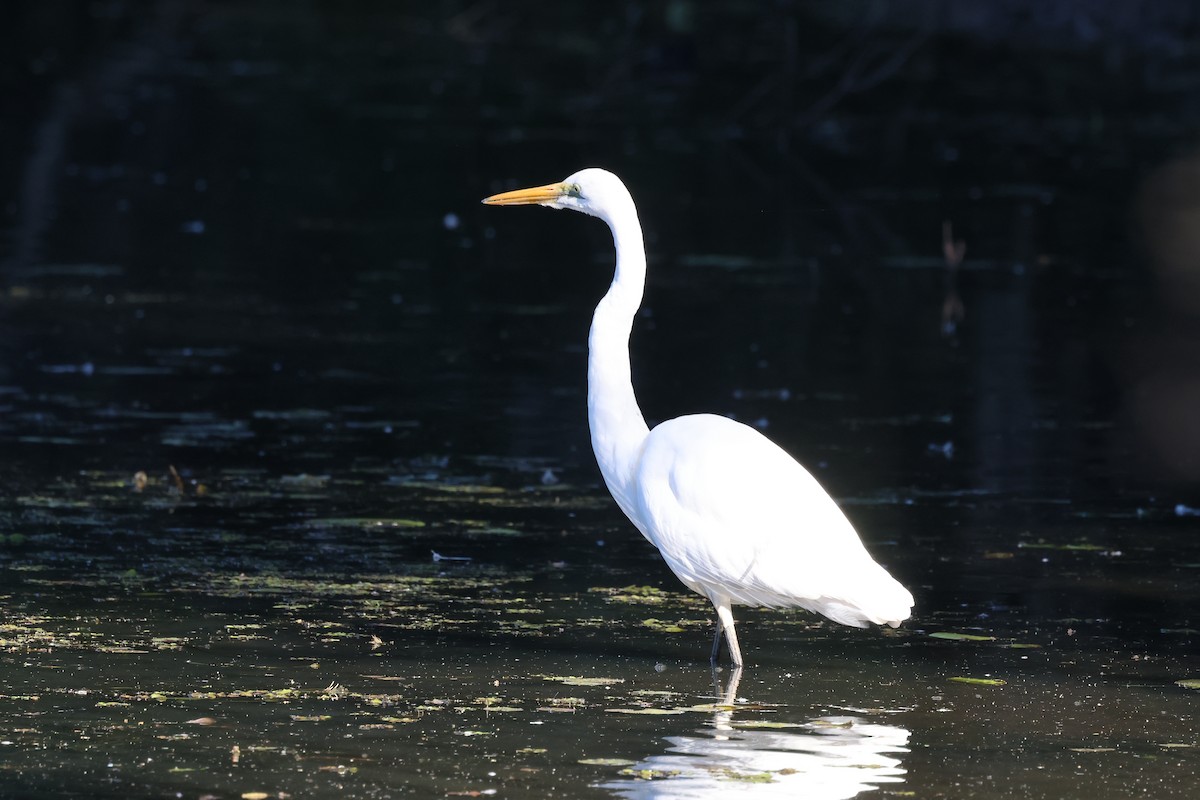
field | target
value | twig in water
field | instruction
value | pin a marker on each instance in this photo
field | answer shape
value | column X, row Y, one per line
column 439, row 557
column 176, row 477
column 955, row 251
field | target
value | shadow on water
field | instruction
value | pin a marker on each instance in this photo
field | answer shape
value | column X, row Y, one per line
column 298, row 497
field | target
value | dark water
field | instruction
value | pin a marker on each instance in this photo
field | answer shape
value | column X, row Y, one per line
column 298, row 493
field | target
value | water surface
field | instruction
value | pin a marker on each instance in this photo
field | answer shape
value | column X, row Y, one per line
column 299, row 497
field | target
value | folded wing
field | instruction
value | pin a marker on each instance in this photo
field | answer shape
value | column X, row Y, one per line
column 735, row 516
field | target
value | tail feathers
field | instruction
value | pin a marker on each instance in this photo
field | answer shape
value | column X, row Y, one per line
column 856, row 598
column 856, row 616
column 886, row 602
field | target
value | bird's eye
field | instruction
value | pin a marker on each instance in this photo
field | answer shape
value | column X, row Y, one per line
column 574, row 191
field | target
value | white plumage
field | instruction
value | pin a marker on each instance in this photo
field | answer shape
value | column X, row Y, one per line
column 736, row 518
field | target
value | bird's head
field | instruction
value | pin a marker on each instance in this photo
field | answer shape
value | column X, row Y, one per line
column 593, row 191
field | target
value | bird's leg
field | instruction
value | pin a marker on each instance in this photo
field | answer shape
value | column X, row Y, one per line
column 716, row 651
column 729, row 696
column 725, row 625
column 735, row 652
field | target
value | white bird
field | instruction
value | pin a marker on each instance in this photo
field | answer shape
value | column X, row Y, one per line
column 737, row 519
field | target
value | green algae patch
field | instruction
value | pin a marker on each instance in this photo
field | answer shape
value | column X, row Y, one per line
column 641, row 595
column 499, row 530
column 576, row 680
column 362, row 587
column 661, row 626
column 664, row 694
column 961, row 637
column 562, row 704
column 650, row 774
column 495, row 704
column 709, row 708
column 954, row 636
column 727, row 774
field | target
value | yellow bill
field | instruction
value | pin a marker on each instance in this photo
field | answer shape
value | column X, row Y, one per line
column 539, row 195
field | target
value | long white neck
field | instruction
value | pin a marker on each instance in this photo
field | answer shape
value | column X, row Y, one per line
column 618, row 428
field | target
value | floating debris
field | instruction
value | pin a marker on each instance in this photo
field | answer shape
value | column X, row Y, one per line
column 944, row 449
column 439, row 557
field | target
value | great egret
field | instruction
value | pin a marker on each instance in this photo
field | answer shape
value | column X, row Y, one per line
column 736, row 518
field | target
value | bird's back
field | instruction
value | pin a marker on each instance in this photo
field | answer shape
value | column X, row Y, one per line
column 735, row 516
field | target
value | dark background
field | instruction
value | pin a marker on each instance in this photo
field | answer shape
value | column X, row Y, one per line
column 226, row 208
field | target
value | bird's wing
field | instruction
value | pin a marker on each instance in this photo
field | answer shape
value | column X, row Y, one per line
column 734, row 515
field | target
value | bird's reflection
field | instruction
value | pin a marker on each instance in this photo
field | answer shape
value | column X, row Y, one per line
column 824, row 759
